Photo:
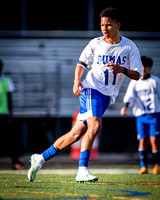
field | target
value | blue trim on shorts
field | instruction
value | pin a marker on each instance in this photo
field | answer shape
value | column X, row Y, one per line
column 148, row 125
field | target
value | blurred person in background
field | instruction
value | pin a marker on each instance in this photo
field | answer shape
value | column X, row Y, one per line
column 6, row 120
column 144, row 97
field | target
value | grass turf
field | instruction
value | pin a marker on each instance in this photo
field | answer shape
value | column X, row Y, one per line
column 109, row 186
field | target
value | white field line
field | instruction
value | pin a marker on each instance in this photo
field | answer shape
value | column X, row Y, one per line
column 74, row 171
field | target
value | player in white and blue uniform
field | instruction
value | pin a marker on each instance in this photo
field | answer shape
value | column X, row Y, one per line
column 144, row 97
column 96, row 56
column 111, row 58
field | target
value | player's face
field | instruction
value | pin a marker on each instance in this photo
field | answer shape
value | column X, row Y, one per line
column 109, row 27
column 146, row 70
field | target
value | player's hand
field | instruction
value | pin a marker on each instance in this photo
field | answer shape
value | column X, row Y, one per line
column 77, row 87
column 123, row 111
column 114, row 67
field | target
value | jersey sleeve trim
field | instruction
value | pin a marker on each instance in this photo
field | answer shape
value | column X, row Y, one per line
column 82, row 64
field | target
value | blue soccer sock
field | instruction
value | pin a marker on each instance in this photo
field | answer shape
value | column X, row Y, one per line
column 84, row 158
column 50, row 153
column 143, row 157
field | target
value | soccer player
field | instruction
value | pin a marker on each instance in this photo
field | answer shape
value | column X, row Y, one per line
column 144, row 97
column 111, row 57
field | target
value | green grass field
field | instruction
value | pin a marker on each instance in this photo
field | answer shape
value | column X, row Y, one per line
column 52, row 186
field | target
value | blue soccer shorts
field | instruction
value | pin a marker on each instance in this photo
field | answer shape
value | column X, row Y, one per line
column 148, row 125
column 93, row 103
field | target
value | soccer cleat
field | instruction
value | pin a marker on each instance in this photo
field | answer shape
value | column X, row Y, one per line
column 155, row 169
column 35, row 167
column 143, row 170
column 86, row 176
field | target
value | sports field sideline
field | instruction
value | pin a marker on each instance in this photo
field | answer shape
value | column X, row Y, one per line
column 109, row 159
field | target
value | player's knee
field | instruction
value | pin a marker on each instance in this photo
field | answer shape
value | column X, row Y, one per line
column 96, row 128
column 153, row 142
column 143, row 143
column 95, row 123
column 75, row 136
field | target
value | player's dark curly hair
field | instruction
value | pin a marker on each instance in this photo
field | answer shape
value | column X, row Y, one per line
column 112, row 13
column 146, row 61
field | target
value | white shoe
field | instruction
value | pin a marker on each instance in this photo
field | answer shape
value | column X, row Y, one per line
column 36, row 164
column 85, row 176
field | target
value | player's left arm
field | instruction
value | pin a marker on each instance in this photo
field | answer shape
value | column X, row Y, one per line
column 114, row 67
column 131, row 74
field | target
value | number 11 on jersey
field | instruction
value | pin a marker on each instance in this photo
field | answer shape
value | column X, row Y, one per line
column 107, row 77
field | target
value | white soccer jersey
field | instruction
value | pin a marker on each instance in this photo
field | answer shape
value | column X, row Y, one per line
column 98, row 53
column 144, row 96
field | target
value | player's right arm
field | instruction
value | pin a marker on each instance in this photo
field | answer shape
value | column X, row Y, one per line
column 78, row 86
column 85, row 60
